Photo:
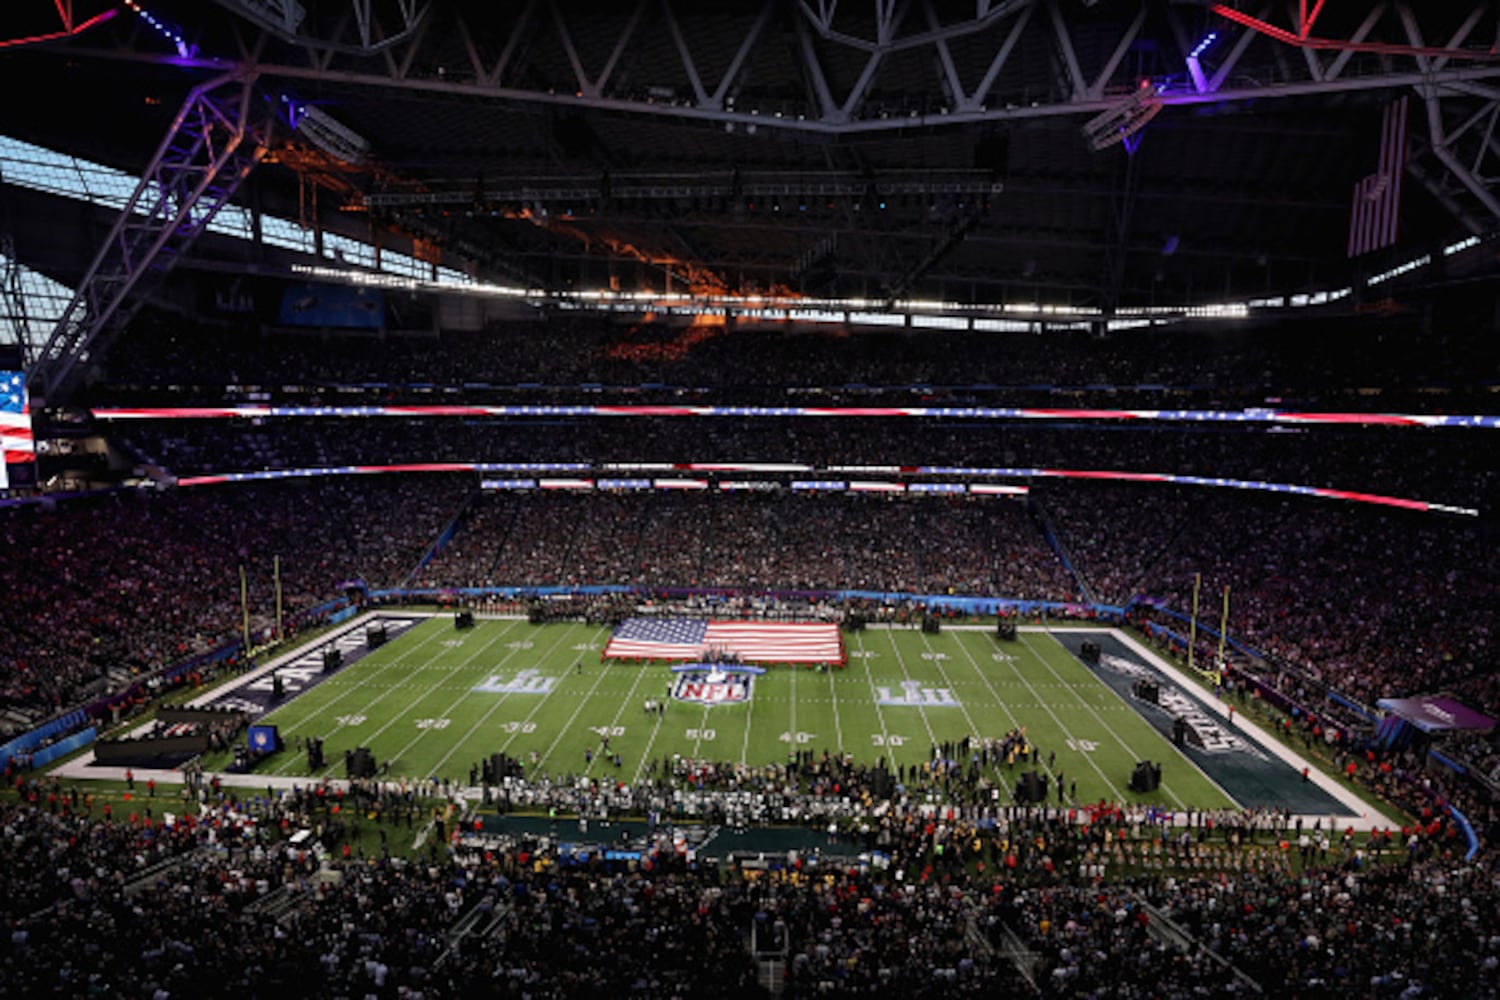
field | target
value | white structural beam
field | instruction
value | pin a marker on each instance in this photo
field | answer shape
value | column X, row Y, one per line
column 210, row 148
column 361, row 27
column 1246, row 64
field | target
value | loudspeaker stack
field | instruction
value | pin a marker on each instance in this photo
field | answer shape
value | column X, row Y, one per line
column 1146, row 777
column 1031, row 788
column 359, row 763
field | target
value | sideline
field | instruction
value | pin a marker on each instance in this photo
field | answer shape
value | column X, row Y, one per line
column 1365, row 818
column 82, row 766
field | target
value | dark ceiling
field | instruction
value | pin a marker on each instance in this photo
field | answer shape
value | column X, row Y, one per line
column 827, row 163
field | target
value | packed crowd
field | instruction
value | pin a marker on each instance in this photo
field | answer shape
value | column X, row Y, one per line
column 114, row 586
column 1239, row 365
column 1445, row 465
column 754, row 542
column 957, row 891
column 222, row 901
column 1373, row 603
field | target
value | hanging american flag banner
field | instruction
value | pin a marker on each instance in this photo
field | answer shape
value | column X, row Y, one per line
column 747, row 642
column 1375, row 213
column 15, row 423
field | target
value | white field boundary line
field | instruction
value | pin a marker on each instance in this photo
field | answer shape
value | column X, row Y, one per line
column 240, row 680
column 1365, row 816
column 353, row 625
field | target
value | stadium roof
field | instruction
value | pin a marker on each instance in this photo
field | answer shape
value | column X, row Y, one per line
column 1088, row 152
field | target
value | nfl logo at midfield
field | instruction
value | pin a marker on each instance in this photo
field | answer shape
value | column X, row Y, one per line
column 710, row 686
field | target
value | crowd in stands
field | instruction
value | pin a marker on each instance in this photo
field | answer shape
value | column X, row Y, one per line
column 221, row 901
column 756, row 542
column 978, row 899
column 1373, row 603
column 1322, row 358
column 109, row 587
column 1445, row 465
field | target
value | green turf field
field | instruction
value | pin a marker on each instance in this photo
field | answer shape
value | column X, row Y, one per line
column 414, row 703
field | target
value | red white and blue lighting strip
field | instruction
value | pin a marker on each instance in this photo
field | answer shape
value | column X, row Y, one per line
column 1248, row 416
column 585, row 482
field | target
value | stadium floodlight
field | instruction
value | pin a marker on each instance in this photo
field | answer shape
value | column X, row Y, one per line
column 1125, row 119
column 332, row 137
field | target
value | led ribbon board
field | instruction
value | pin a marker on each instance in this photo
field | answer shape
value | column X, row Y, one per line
column 1108, row 475
column 1247, row 416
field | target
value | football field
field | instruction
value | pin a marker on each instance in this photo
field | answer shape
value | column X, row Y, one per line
column 435, row 701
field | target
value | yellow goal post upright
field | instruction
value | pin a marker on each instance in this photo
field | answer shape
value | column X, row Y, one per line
column 1213, row 673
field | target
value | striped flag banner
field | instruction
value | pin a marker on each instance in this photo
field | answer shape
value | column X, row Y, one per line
column 1375, row 212
column 16, row 442
column 748, row 642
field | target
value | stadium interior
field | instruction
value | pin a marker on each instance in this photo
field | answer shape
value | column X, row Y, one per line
column 1087, row 408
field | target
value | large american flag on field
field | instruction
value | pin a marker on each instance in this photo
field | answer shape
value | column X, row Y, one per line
column 15, row 422
column 1375, row 213
column 750, row 642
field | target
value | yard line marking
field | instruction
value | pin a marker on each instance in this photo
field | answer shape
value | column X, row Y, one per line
column 885, row 734
column 702, row 724
column 838, row 727
column 931, row 735
column 640, row 672
column 499, row 702
column 793, row 724
column 1015, row 723
column 973, row 729
column 405, row 659
column 412, row 703
column 1067, row 733
column 641, row 767
column 563, row 731
column 1133, row 755
column 745, row 744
